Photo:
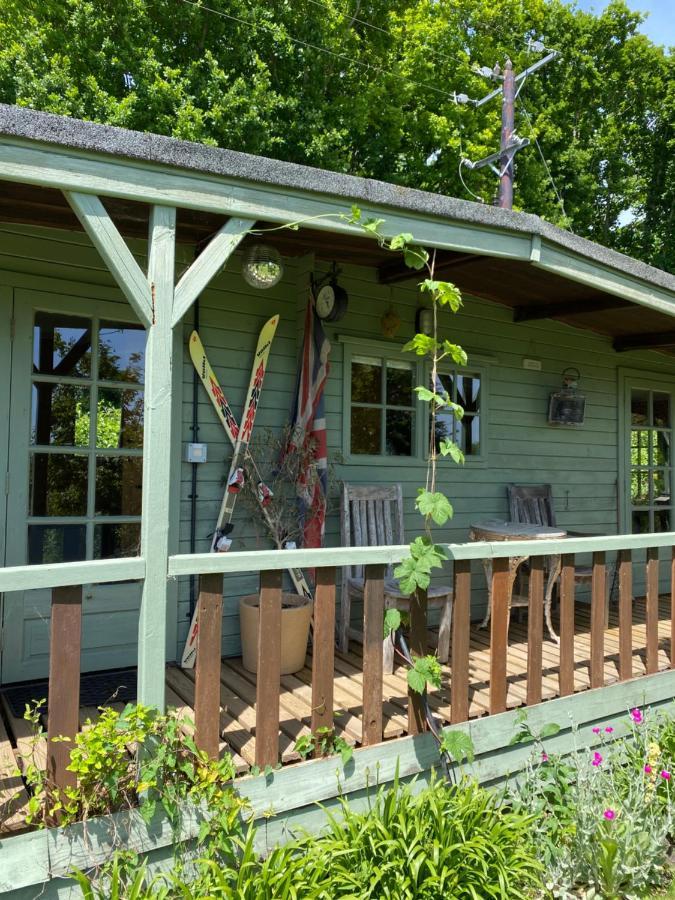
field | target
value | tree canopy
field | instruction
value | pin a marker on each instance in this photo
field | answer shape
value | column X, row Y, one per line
column 366, row 87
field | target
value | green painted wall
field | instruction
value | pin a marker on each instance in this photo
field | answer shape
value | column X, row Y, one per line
column 581, row 464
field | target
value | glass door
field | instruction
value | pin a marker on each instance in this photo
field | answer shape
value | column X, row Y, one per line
column 650, row 463
column 76, row 466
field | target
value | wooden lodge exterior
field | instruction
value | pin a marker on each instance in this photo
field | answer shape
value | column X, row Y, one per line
column 99, row 229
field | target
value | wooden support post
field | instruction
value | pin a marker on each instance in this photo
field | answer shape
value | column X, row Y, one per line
column 323, row 649
column 373, row 629
column 207, row 666
column 64, row 682
column 567, row 625
column 625, row 615
column 499, row 633
column 652, row 612
column 535, row 630
column 418, row 647
column 461, row 625
column 598, row 607
column 269, row 670
column 157, row 451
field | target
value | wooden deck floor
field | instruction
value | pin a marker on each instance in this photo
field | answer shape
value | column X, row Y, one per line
column 237, row 697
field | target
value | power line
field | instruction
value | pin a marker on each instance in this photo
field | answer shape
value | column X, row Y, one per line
column 356, row 62
column 543, row 159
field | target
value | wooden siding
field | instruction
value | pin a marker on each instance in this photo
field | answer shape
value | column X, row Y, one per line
column 580, row 464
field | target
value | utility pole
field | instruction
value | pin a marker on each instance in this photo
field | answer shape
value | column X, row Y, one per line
column 505, row 197
column 501, row 162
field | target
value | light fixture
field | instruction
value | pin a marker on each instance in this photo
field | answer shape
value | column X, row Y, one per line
column 262, row 267
column 424, row 320
column 567, row 406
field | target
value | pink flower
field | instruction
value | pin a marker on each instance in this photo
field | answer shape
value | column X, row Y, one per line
column 597, row 759
column 636, row 716
column 609, row 814
column 648, row 770
column 665, row 775
column 596, row 731
column 544, row 757
column 609, row 729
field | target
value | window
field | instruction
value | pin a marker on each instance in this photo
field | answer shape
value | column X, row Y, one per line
column 86, row 439
column 650, row 462
column 463, row 388
column 382, row 408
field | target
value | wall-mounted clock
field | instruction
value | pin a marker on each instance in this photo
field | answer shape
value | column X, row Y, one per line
column 331, row 302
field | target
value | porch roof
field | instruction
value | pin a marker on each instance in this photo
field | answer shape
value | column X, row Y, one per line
column 512, row 258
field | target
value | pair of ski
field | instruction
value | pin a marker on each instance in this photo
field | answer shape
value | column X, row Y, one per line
column 239, row 435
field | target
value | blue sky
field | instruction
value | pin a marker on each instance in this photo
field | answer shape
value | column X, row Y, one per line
column 660, row 26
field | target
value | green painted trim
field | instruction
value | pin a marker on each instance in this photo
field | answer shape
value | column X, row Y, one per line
column 285, row 802
column 157, row 455
column 209, row 262
column 6, row 313
column 114, row 252
column 266, row 560
column 95, row 571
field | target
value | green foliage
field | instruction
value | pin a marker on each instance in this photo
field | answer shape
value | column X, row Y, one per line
column 524, row 733
column 372, row 105
column 457, row 745
column 435, row 505
column 392, row 620
column 415, row 571
column 425, row 670
column 136, row 757
column 323, row 742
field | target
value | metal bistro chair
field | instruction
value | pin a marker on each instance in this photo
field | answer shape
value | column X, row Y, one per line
column 371, row 517
column 532, row 504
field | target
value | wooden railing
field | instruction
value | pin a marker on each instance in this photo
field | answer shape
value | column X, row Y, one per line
column 66, row 579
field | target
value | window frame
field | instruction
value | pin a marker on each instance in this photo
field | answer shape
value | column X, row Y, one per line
column 629, row 380
column 358, row 346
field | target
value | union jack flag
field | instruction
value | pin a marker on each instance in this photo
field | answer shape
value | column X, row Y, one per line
column 308, row 432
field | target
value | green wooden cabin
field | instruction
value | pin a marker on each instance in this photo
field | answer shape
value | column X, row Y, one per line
column 537, row 301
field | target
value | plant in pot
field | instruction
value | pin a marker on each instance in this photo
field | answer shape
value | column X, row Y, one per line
column 274, row 509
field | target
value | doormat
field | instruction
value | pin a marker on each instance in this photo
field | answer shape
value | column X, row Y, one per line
column 96, row 689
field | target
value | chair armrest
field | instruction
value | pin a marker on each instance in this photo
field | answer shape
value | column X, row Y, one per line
column 584, row 534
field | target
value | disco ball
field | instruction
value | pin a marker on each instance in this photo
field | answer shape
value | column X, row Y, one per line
column 262, row 267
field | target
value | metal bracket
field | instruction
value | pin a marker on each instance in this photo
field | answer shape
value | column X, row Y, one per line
column 509, row 152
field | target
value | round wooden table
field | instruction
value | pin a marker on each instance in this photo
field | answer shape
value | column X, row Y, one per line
column 496, row 530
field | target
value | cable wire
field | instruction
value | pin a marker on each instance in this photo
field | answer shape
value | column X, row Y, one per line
column 548, row 171
column 356, row 62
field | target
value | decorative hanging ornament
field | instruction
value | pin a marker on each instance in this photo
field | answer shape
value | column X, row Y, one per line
column 390, row 323
column 262, row 267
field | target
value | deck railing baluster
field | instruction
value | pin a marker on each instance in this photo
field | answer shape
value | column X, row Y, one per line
column 269, row 670
column 567, row 625
column 598, row 619
column 418, row 647
column 625, row 615
column 207, row 664
column 461, row 637
column 535, row 630
column 63, row 715
column 499, row 633
column 652, row 611
column 373, row 630
column 323, row 649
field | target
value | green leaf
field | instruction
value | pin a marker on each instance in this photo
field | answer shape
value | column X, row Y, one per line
column 549, row 730
column 392, row 621
column 416, row 680
column 434, row 504
column 411, row 575
column 458, row 745
column 455, row 352
column 429, row 668
column 355, row 215
column 346, row 752
column 426, row 553
column 450, row 448
column 415, row 257
column 399, row 241
column 372, row 226
column 421, row 344
column 430, row 396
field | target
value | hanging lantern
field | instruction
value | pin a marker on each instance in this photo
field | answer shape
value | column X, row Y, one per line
column 567, row 406
column 262, row 267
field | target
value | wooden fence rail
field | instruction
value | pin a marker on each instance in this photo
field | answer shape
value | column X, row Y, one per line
column 631, row 560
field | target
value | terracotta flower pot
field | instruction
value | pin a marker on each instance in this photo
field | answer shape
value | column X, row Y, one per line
column 296, row 614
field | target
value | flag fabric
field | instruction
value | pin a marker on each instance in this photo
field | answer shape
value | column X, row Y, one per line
column 308, row 432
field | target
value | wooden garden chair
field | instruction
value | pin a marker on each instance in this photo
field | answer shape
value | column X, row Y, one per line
column 532, row 504
column 372, row 517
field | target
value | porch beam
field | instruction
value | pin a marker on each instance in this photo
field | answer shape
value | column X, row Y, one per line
column 157, row 469
column 394, row 271
column 208, row 263
column 533, row 311
column 113, row 248
column 649, row 340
